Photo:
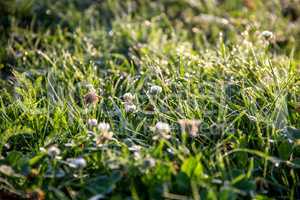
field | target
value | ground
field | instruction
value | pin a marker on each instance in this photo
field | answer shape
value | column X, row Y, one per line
column 141, row 99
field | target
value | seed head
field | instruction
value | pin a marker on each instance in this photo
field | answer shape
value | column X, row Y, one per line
column 189, row 126
column 91, row 98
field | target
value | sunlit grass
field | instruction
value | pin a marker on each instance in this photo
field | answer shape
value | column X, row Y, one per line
column 149, row 100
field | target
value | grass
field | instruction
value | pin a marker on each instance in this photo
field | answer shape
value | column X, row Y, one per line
column 226, row 96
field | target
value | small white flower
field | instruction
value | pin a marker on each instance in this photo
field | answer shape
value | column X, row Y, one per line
column 104, row 133
column 103, row 127
column 77, row 163
column 128, row 97
column 53, row 151
column 129, row 107
column 267, row 34
column 162, row 130
column 155, row 90
column 92, row 122
column 162, row 127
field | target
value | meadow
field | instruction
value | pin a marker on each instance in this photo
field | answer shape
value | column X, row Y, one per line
column 144, row 99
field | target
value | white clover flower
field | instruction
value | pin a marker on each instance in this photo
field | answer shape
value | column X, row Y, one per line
column 92, row 122
column 128, row 97
column 103, row 127
column 77, row 163
column 104, row 134
column 53, row 151
column 129, row 107
column 162, row 130
column 162, row 127
column 267, row 34
column 155, row 90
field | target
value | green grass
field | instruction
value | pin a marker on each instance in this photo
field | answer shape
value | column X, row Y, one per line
column 214, row 67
